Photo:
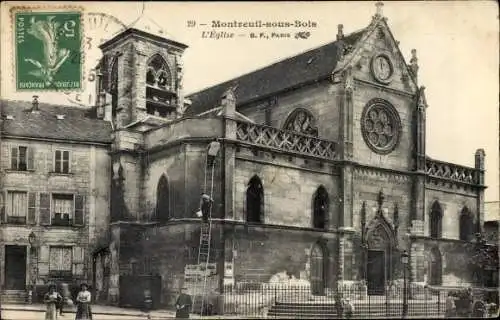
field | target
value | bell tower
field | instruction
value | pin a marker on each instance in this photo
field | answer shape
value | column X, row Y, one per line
column 140, row 75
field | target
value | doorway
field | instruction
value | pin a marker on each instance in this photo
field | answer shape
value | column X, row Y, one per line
column 15, row 267
column 376, row 272
column 318, row 279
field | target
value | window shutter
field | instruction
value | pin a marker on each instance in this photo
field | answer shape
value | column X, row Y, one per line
column 43, row 262
column 32, row 208
column 79, row 210
column 3, row 218
column 31, row 158
column 13, row 158
column 78, row 261
column 44, row 209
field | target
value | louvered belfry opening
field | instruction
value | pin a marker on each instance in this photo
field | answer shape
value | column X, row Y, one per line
column 160, row 88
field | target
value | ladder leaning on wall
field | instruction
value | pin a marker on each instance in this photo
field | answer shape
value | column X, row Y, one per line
column 205, row 233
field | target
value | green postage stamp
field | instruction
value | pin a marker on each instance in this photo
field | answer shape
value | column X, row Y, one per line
column 48, row 50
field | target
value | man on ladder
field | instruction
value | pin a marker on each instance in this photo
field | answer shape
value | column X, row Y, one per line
column 205, row 213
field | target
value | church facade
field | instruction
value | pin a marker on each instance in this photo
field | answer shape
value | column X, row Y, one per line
column 322, row 172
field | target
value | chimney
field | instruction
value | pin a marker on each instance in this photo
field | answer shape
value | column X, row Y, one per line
column 34, row 107
column 340, row 32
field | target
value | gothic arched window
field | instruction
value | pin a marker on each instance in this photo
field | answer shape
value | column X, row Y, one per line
column 113, row 87
column 301, row 121
column 158, row 73
column 320, row 208
column 255, row 201
column 466, row 225
column 436, row 216
column 162, row 200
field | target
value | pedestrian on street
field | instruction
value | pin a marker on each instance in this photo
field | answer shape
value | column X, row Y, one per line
column 348, row 308
column 83, row 310
column 450, row 306
column 183, row 305
column 50, row 299
column 60, row 301
column 339, row 306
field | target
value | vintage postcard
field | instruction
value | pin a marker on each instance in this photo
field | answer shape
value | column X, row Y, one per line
column 313, row 160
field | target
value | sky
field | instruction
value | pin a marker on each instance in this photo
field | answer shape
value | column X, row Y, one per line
column 456, row 42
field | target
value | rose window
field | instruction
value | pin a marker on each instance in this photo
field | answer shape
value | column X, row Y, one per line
column 380, row 125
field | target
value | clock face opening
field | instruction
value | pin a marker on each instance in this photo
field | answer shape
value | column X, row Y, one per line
column 382, row 68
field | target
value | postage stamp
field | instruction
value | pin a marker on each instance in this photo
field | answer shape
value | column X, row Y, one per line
column 46, row 45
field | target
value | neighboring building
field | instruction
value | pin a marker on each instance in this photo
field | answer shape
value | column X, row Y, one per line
column 322, row 172
column 54, row 193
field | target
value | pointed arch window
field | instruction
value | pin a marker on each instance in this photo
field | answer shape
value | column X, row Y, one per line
column 158, row 73
column 113, row 87
column 255, row 200
column 320, row 208
column 301, row 121
column 163, row 200
column 436, row 217
column 466, row 225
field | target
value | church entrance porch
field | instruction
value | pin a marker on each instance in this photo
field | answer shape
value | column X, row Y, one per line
column 15, row 267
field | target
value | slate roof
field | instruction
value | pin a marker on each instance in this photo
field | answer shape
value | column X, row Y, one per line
column 78, row 124
column 305, row 67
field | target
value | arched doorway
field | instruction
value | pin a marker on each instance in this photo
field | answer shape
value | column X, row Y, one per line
column 378, row 268
column 318, row 269
column 435, row 270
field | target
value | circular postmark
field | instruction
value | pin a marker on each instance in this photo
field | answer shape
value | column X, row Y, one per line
column 99, row 27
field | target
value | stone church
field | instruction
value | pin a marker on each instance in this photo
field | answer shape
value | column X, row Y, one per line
column 322, row 172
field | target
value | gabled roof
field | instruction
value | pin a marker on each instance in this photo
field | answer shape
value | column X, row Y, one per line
column 78, row 124
column 306, row 67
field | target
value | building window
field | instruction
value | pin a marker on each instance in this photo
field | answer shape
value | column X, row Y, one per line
column 160, row 91
column 320, row 208
column 61, row 261
column 435, row 267
column 466, row 225
column 61, row 161
column 21, row 158
column 301, row 121
column 62, row 209
column 17, row 207
column 255, row 201
column 162, row 200
column 113, row 89
column 436, row 220
column 158, row 73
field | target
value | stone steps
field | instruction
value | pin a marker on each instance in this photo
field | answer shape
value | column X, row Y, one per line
column 13, row 296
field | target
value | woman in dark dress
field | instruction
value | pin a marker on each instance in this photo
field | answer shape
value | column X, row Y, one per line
column 183, row 305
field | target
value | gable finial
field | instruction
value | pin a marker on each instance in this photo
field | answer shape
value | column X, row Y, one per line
column 414, row 64
column 379, row 6
column 340, row 32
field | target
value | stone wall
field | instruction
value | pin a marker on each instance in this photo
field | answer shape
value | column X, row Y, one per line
column 452, row 200
column 289, row 187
